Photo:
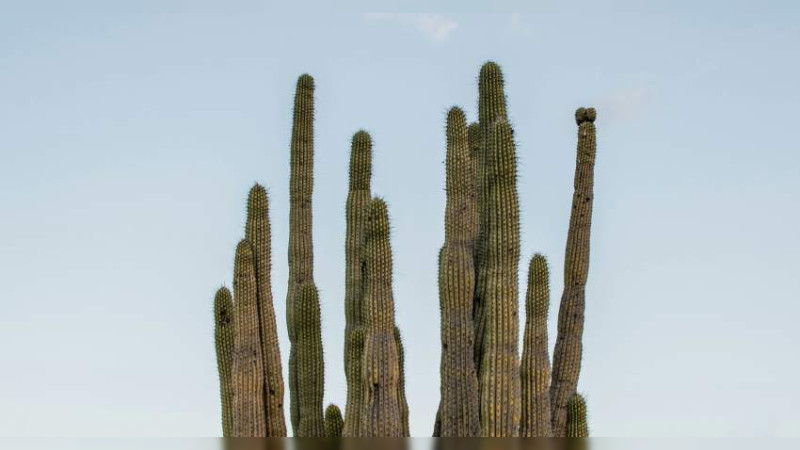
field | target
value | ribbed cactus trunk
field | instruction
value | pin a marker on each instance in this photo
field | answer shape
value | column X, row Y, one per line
column 301, row 250
column 249, row 411
column 569, row 342
column 223, row 340
column 401, row 390
column 258, row 233
column 310, row 366
column 577, row 423
column 381, row 416
column 459, row 406
column 535, row 366
column 499, row 375
column 358, row 198
column 333, row 421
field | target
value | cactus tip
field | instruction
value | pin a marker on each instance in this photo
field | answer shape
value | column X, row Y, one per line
column 585, row 115
column 305, row 81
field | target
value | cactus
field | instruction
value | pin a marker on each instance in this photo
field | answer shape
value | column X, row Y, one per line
column 333, row 421
column 499, row 375
column 459, row 407
column 358, row 197
column 401, row 362
column 257, row 232
column 310, row 366
column 223, row 341
column 381, row 415
column 577, row 425
column 301, row 251
column 249, row 412
column 535, row 366
column 569, row 345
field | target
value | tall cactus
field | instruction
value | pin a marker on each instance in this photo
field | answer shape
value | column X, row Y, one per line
column 499, row 375
column 258, row 233
column 459, row 407
column 569, row 342
column 381, row 416
column 535, row 366
column 223, row 341
column 301, row 250
column 333, row 421
column 577, row 424
column 358, row 197
column 310, row 366
column 401, row 390
column 249, row 412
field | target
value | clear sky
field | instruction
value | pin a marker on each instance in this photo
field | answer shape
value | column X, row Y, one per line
column 130, row 137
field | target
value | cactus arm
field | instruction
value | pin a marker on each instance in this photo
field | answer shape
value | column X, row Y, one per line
column 569, row 347
column 310, row 365
column 401, row 361
column 577, row 423
column 223, row 340
column 333, row 421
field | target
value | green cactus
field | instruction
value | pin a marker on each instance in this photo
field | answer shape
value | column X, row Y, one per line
column 401, row 362
column 459, row 407
column 569, row 345
column 310, row 366
column 333, row 421
column 301, row 251
column 249, row 412
column 499, row 375
column 223, row 341
column 577, row 424
column 257, row 232
column 358, row 197
column 491, row 108
column 535, row 366
column 381, row 416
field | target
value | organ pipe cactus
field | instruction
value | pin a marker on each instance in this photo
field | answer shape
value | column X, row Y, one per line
column 223, row 340
column 569, row 342
column 333, row 421
column 301, row 250
column 535, row 366
column 310, row 367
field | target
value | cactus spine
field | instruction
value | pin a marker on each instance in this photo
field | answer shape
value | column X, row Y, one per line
column 358, row 197
column 301, row 251
column 459, row 407
column 569, row 345
column 310, row 366
column 258, row 233
column 577, row 425
column 333, row 421
column 535, row 366
column 249, row 412
column 381, row 416
column 223, row 340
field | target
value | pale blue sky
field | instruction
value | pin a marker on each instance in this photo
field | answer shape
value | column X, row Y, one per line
column 130, row 137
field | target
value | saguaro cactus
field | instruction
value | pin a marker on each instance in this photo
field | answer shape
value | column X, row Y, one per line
column 569, row 342
column 499, row 376
column 459, row 407
column 310, row 366
column 381, row 411
column 301, row 250
column 577, row 425
column 249, row 412
column 258, row 233
column 535, row 366
column 358, row 197
column 223, row 340
column 333, row 421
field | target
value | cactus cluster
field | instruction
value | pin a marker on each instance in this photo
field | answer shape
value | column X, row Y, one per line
column 486, row 389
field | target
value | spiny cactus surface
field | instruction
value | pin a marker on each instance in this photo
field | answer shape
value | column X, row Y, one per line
column 535, row 365
column 223, row 340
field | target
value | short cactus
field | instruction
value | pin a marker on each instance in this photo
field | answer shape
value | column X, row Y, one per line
column 223, row 340
column 310, row 366
column 577, row 424
column 535, row 366
column 569, row 342
column 333, row 421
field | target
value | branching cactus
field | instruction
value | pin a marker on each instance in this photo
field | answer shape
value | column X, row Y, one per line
column 223, row 340
column 358, row 197
column 569, row 342
column 459, row 408
column 249, row 411
column 381, row 415
column 310, row 366
column 258, row 233
column 535, row 366
column 301, row 250
column 577, row 423
column 333, row 421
